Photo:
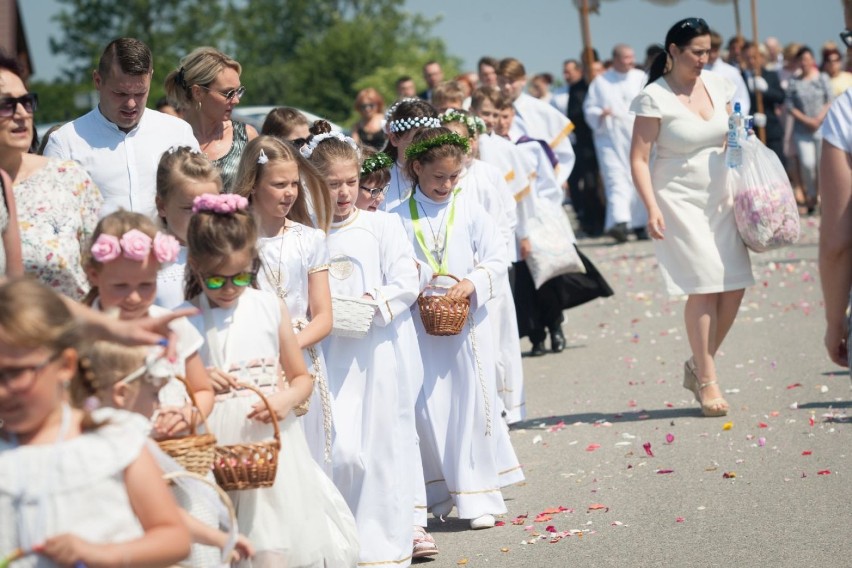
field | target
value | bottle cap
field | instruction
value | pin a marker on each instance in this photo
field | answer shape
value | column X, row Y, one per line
column 737, row 107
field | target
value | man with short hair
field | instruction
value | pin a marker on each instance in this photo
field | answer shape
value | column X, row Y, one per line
column 405, row 87
column 607, row 111
column 120, row 142
column 717, row 65
column 434, row 76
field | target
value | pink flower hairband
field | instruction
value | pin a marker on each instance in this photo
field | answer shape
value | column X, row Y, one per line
column 135, row 245
column 222, row 203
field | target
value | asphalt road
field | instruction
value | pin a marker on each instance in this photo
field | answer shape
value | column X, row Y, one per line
column 768, row 485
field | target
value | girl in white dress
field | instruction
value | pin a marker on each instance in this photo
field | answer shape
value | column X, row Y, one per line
column 122, row 264
column 483, row 183
column 463, row 460
column 183, row 175
column 404, row 119
column 374, row 182
column 301, row 520
column 118, row 377
column 282, row 187
column 72, row 491
column 373, row 406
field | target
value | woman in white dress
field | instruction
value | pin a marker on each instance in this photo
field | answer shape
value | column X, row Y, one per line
column 463, row 461
column 683, row 112
column 301, row 520
column 371, row 260
column 293, row 208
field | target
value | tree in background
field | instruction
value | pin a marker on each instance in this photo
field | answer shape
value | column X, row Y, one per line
column 313, row 54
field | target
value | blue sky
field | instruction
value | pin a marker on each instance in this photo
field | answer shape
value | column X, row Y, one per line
column 545, row 32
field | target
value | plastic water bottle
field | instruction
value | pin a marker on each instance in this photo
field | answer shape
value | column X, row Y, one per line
column 734, row 153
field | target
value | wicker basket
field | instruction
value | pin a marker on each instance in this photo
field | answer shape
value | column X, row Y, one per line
column 193, row 452
column 352, row 316
column 442, row 315
column 251, row 465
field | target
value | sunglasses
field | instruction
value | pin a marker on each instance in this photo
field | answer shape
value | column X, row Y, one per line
column 238, row 92
column 8, row 105
column 846, row 36
column 376, row 191
column 367, row 106
column 240, row 280
column 694, row 23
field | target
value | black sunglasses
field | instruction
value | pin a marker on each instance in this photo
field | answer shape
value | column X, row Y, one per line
column 8, row 105
column 694, row 23
column 238, row 92
column 846, row 36
column 376, row 191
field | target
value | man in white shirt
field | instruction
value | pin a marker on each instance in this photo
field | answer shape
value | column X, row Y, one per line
column 120, row 142
column 733, row 74
column 607, row 112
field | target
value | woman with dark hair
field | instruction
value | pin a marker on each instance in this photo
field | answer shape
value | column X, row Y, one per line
column 57, row 201
column 808, row 97
column 683, row 112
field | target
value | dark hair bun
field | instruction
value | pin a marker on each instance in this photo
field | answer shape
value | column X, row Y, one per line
column 320, row 127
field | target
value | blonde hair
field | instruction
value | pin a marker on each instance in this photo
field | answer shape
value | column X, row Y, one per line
column 183, row 165
column 201, row 67
column 331, row 150
column 448, row 94
column 250, row 172
column 105, row 364
column 115, row 224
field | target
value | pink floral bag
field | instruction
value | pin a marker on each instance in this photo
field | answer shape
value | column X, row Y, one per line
column 764, row 205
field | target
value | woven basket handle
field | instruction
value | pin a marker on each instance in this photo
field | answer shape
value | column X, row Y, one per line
column 193, row 421
column 268, row 407
column 436, row 276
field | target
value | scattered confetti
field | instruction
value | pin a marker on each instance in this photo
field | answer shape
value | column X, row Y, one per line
column 824, row 472
column 807, row 453
column 598, row 507
column 762, row 425
column 727, row 425
column 729, row 475
column 664, row 471
column 680, row 520
column 793, row 386
column 592, row 447
column 500, row 524
column 504, row 549
column 647, row 446
column 761, row 442
column 669, row 438
column 520, row 519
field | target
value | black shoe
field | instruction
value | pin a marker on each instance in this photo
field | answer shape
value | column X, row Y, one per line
column 641, row 234
column 557, row 341
column 618, row 232
column 537, row 349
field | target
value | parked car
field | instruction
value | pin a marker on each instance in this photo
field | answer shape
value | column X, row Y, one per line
column 255, row 115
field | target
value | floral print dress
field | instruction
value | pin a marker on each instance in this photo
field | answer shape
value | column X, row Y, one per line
column 57, row 212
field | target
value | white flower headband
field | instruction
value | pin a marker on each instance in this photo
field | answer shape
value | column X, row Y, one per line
column 308, row 149
column 394, row 106
column 405, row 124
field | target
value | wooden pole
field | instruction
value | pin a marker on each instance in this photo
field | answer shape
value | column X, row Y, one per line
column 737, row 18
column 761, row 131
column 588, row 53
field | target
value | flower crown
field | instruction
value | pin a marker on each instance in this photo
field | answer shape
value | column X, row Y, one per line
column 474, row 124
column 223, row 203
column 405, row 124
column 135, row 245
column 308, row 149
column 376, row 162
column 417, row 149
column 394, row 106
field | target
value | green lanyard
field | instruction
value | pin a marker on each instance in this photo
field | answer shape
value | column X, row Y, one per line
column 421, row 240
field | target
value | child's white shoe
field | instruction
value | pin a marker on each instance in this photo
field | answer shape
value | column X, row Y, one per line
column 483, row 522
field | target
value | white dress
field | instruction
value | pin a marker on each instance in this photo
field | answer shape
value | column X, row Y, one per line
column 702, row 252
column 399, row 189
column 301, row 520
column 466, row 451
column 71, row 486
column 372, row 381
column 170, row 282
column 287, row 261
column 539, row 120
column 482, row 183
